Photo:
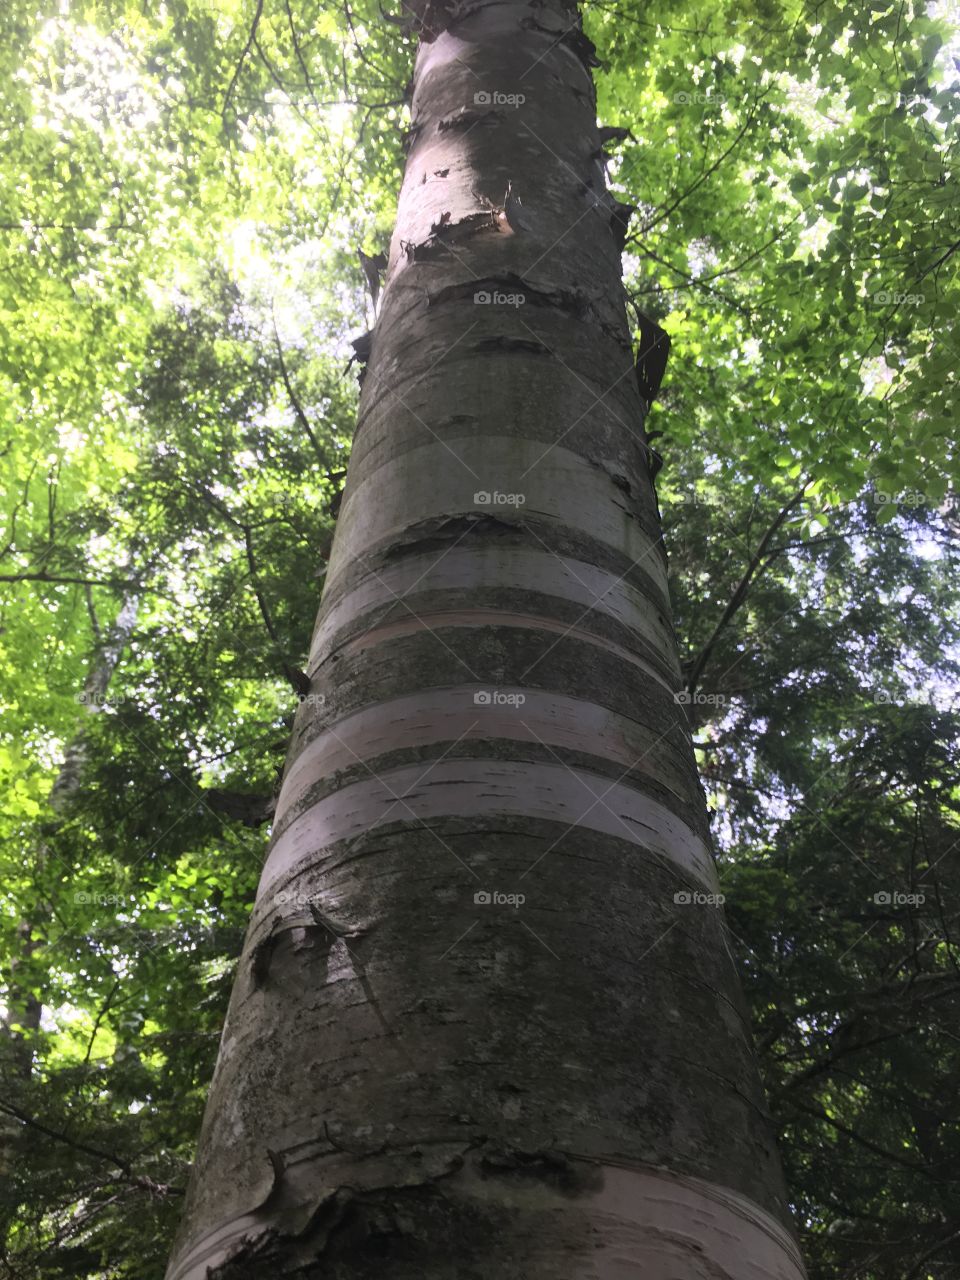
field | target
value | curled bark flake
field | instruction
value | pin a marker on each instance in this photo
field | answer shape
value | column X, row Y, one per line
column 298, row 680
column 583, row 47
column 278, row 1244
column 513, row 210
column 614, row 133
column 262, row 956
column 373, row 266
column 314, row 924
column 654, row 461
column 447, row 232
column 260, row 960
column 470, row 225
column 467, row 117
column 362, row 348
column 620, row 216
column 607, row 136
column 278, row 1165
column 652, row 353
column 512, row 346
column 437, row 534
column 409, row 136
column 299, row 1238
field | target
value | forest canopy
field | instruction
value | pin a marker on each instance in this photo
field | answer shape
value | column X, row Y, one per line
column 186, row 193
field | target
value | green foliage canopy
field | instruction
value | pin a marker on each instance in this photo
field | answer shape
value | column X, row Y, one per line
column 184, row 188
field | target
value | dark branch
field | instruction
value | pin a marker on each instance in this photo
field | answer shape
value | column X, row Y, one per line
column 243, row 57
column 739, row 595
column 294, row 400
column 139, row 1180
column 58, row 580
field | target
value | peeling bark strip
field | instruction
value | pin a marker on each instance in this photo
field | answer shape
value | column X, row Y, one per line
column 656, row 1226
column 486, row 1021
column 571, row 593
column 555, row 485
column 552, row 793
column 467, row 714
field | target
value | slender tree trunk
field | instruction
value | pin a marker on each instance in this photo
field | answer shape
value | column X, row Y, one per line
column 485, row 1022
column 21, row 1019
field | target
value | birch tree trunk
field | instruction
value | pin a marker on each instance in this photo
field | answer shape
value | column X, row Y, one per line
column 486, row 1023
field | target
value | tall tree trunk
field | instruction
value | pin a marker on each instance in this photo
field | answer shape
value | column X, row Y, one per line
column 485, row 1022
column 20, row 1020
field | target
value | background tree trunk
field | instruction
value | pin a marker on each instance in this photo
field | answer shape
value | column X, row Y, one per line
column 23, row 1010
column 486, row 1023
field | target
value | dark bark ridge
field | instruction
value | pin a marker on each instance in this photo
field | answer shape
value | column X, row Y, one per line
column 486, row 1021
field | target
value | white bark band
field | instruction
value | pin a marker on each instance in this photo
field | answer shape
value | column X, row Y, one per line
column 473, row 713
column 536, row 570
column 656, row 1225
column 457, row 624
column 487, row 789
column 440, row 478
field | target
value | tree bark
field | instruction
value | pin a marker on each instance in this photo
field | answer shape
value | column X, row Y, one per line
column 486, row 1022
